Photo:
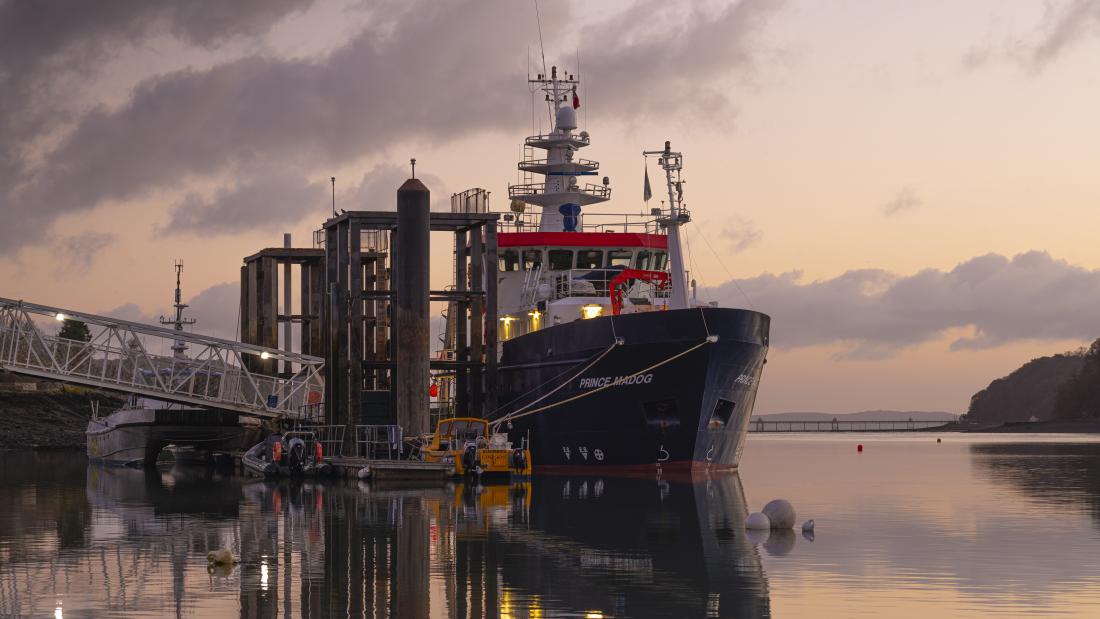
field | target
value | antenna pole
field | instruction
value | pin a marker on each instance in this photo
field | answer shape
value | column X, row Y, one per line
column 333, row 179
column 542, row 53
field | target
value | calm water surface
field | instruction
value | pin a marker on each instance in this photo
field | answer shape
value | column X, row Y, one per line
column 975, row 526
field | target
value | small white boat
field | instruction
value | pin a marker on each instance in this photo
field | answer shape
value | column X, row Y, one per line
column 135, row 434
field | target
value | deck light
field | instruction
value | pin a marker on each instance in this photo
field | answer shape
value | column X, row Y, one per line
column 60, row 317
column 591, row 311
column 265, row 355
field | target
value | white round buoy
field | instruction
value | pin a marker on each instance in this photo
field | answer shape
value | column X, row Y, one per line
column 757, row 536
column 780, row 513
column 780, row 542
column 364, row 473
column 758, row 520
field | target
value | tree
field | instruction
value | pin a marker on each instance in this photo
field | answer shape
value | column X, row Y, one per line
column 75, row 330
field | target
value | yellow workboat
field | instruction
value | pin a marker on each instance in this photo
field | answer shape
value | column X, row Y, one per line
column 467, row 443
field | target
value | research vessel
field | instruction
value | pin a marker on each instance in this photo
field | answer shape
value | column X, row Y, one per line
column 607, row 359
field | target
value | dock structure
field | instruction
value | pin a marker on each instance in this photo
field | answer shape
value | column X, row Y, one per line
column 364, row 307
column 260, row 309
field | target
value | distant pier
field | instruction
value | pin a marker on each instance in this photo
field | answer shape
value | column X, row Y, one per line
column 836, row 425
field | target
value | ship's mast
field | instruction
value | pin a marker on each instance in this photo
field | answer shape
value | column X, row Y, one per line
column 561, row 196
column 672, row 162
column 179, row 348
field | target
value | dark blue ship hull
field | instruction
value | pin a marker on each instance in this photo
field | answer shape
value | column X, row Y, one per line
column 675, row 393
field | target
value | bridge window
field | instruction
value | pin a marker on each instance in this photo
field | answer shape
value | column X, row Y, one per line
column 561, row 259
column 645, row 257
column 660, row 261
column 618, row 258
column 532, row 259
column 509, row 260
column 589, row 259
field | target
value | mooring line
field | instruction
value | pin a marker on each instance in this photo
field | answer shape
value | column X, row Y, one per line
column 522, row 413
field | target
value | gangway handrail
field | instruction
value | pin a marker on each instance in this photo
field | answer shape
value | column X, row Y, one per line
column 157, row 329
column 217, row 374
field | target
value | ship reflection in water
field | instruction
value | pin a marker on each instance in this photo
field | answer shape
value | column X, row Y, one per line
column 100, row 542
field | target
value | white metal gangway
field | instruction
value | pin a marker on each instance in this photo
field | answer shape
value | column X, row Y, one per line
column 121, row 356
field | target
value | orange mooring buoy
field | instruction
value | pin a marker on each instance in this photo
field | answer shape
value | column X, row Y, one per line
column 859, row 448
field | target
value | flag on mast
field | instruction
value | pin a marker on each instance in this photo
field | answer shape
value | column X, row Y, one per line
column 576, row 99
column 647, row 191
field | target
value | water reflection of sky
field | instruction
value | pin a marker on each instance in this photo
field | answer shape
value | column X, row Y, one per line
column 975, row 526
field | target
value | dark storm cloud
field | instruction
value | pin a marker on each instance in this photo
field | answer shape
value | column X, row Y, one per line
column 435, row 70
column 47, row 47
column 262, row 202
column 657, row 57
column 876, row 313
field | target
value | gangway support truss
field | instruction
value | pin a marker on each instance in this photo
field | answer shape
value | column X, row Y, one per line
column 119, row 357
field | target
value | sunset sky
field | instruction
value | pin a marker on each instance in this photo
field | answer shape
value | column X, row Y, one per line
column 910, row 189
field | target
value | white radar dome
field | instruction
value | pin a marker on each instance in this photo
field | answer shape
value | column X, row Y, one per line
column 567, row 118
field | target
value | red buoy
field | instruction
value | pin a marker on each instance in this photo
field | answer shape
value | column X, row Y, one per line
column 859, row 448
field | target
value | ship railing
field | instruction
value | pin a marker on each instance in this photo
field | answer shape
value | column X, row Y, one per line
column 475, row 200
column 555, row 137
column 527, row 162
column 377, row 442
column 331, row 437
column 369, row 240
column 527, row 190
column 597, row 283
column 528, row 221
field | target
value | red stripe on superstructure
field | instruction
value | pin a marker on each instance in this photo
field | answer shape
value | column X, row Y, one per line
column 582, row 239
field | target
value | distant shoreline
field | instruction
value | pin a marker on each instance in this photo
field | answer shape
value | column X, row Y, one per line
column 1056, row 426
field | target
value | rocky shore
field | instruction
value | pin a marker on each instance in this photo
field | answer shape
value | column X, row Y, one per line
column 54, row 418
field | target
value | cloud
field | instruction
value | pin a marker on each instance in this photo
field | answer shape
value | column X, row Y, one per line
column 906, row 200
column 655, row 56
column 874, row 313
column 76, row 253
column 264, row 202
column 976, row 57
column 377, row 190
column 1065, row 26
column 741, row 233
column 50, row 50
column 426, row 70
column 216, row 309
